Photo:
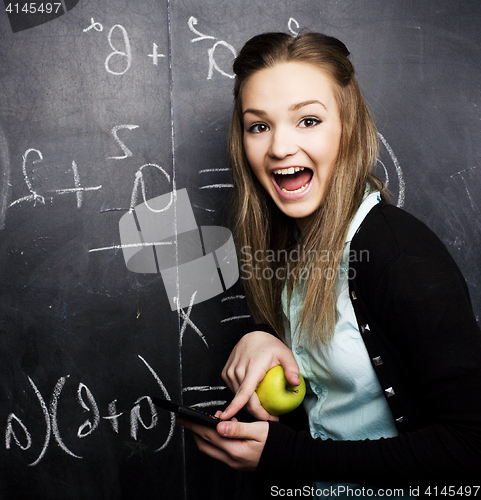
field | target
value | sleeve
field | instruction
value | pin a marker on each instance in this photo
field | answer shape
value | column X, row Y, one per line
column 422, row 306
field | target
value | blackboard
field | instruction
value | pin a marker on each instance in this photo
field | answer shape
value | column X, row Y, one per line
column 104, row 105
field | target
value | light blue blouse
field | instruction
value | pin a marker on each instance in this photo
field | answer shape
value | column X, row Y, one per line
column 344, row 400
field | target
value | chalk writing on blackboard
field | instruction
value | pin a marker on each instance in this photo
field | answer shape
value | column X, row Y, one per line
column 88, row 426
column 113, row 416
column 217, row 185
column 139, row 179
column 293, row 26
column 17, row 432
column 399, row 172
column 460, row 174
column 34, row 196
column 123, row 147
column 96, row 26
column 211, row 51
column 155, row 54
column 119, row 61
column 125, row 52
column 192, row 22
column 54, row 418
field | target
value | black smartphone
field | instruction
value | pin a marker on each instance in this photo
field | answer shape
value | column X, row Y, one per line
column 187, row 412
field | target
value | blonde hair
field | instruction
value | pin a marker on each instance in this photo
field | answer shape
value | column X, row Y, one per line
column 260, row 227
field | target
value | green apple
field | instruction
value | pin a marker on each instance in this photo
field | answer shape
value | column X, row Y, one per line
column 277, row 395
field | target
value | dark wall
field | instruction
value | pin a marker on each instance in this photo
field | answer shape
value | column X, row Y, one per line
column 88, row 115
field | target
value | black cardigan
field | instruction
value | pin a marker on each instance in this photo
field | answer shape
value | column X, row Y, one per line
column 416, row 319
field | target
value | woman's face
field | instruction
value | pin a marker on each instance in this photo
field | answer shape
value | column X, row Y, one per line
column 292, row 131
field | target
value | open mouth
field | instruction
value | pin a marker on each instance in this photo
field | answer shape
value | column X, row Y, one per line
column 293, row 179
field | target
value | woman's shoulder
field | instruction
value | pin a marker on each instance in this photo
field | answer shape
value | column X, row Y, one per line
column 406, row 276
column 392, row 244
column 389, row 231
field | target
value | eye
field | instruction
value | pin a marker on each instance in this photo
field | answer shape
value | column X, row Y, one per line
column 257, row 128
column 309, row 121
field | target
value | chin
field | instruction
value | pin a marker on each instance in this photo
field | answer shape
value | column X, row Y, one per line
column 298, row 214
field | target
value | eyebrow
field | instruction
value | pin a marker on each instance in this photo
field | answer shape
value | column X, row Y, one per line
column 300, row 105
column 294, row 107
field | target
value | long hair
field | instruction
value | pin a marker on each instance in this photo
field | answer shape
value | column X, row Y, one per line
column 266, row 238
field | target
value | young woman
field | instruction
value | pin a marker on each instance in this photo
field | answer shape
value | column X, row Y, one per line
column 354, row 293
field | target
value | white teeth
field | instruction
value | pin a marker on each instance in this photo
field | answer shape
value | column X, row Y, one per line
column 288, row 171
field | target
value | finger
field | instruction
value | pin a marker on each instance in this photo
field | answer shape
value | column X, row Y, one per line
column 205, row 432
column 212, row 450
column 255, row 408
column 244, row 393
column 255, row 431
column 226, row 374
column 237, row 444
column 236, row 452
column 233, row 376
column 291, row 369
column 230, row 372
column 235, row 406
column 213, row 436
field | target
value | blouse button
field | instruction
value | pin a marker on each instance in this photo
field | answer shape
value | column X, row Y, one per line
column 298, row 350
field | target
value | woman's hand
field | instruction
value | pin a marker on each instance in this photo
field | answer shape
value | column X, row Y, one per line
column 255, row 354
column 237, row 444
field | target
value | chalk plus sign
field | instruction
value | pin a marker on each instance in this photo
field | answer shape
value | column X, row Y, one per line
column 155, row 55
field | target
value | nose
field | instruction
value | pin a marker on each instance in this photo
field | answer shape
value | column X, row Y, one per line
column 282, row 143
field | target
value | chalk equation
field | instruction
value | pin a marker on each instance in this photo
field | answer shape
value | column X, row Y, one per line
column 143, row 414
column 34, row 196
column 192, row 22
column 33, row 157
column 119, row 61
